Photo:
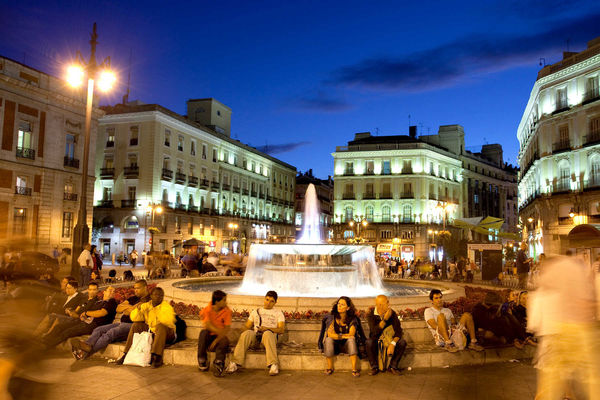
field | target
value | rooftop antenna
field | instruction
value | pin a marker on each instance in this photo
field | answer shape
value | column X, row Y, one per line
column 542, row 61
column 126, row 96
column 408, row 119
column 376, row 131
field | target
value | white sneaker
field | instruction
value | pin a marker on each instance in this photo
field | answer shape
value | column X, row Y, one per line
column 274, row 370
column 231, row 368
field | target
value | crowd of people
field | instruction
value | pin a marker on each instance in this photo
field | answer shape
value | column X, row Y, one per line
column 459, row 269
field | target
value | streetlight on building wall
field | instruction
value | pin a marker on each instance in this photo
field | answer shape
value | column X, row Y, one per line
column 105, row 78
column 151, row 209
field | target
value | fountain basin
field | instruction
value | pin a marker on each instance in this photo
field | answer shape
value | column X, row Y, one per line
column 179, row 290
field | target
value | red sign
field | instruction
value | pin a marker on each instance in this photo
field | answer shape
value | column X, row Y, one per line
column 150, row 241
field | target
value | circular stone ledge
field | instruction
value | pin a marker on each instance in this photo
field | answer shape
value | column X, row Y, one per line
column 451, row 292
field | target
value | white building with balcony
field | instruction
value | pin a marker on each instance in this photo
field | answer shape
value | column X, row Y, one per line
column 559, row 156
column 209, row 186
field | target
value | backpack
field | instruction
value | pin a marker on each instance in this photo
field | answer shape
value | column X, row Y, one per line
column 180, row 328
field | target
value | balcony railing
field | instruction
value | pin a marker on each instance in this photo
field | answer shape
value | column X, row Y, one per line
column 167, row 175
column 133, row 142
column 110, row 143
column 592, row 138
column 559, row 147
column 561, row 106
column 131, row 172
column 192, row 208
column 591, row 96
column 385, row 196
column 204, row 183
column 561, row 186
column 407, row 170
column 348, row 172
column 193, row 181
column 23, row 152
column 105, row 204
column 245, row 192
column 253, row 193
column 107, row 173
column 235, row 188
column 128, row 203
column 166, row 204
column 71, row 162
column 180, row 206
column 407, row 195
column 369, row 196
column 226, row 186
column 180, row 177
column 348, row 196
column 214, row 185
column 369, row 172
column 592, row 182
column 23, row 190
column 70, row 196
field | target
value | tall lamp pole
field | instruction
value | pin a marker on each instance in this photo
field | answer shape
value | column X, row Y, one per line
column 75, row 76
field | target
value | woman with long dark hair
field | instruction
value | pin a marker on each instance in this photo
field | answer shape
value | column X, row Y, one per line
column 340, row 333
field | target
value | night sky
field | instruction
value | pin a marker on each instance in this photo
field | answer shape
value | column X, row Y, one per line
column 303, row 76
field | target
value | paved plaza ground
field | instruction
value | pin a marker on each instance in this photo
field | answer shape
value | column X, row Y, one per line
column 63, row 378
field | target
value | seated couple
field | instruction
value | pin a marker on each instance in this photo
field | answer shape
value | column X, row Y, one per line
column 262, row 327
column 342, row 332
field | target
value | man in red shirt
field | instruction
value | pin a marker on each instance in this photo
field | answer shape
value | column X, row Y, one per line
column 217, row 321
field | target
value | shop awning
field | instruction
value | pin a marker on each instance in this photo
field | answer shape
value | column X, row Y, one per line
column 385, row 247
column 193, row 243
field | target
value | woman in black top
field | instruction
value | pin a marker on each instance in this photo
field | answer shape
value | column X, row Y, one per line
column 341, row 328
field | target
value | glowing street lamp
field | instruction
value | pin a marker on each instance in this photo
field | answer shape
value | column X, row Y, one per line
column 151, row 210
column 75, row 77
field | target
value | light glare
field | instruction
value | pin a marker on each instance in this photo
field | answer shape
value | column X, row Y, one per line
column 75, row 75
column 107, row 80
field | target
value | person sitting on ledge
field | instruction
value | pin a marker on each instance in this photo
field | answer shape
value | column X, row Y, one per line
column 103, row 335
column 267, row 322
column 217, row 321
column 442, row 324
column 384, row 327
column 158, row 316
column 341, row 332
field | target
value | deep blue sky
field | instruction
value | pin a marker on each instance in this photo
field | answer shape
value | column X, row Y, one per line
column 304, row 76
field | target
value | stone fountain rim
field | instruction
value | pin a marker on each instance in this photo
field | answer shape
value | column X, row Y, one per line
column 451, row 291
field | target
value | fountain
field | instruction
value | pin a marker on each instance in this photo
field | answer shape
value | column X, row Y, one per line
column 305, row 274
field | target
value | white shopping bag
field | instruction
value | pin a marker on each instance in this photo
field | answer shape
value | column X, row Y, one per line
column 140, row 351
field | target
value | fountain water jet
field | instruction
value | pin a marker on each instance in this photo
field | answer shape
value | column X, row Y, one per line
column 311, row 268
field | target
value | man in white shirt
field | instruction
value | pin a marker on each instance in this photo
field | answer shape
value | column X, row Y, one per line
column 263, row 325
column 442, row 324
column 86, row 262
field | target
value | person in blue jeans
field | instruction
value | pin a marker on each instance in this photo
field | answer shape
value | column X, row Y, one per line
column 104, row 335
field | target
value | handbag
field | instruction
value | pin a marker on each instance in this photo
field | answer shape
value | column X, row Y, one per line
column 384, row 341
column 140, row 352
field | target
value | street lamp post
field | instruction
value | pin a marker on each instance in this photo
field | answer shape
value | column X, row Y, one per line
column 76, row 74
column 444, row 206
column 151, row 209
column 358, row 221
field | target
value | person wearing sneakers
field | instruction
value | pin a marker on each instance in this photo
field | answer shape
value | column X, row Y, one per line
column 442, row 324
column 263, row 326
column 217, row 321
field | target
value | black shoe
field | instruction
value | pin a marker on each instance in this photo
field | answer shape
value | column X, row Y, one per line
column 121, row 359
column 218, row 368
column 157, row 362
column 374, row 371
column 395, row 371
column 202, row 365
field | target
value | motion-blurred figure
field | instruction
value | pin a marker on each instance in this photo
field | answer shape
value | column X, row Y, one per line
column 563, row 313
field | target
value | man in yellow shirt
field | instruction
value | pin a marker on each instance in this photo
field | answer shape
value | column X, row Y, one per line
column 158, row 316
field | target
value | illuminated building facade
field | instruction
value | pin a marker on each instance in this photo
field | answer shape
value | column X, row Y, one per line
column 42, row 135
column 559, row 156
column 186, row 177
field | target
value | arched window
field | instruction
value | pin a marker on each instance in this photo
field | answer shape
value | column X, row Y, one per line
column 407, row 213
column 369, row 213
column 348, row 214
column 165, row 195
column 131, row 222
column 178, row 198
column 386, row 213
column 191, row 200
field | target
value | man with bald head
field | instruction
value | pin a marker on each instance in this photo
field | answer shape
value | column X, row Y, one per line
column 385, row 337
